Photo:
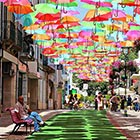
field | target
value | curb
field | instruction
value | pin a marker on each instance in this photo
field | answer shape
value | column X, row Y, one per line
column 116, row 124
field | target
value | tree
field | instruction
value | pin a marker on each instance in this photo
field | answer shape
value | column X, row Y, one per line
column 92, row 85
column 137, row 44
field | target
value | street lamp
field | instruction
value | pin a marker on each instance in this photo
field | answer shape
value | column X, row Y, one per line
column 125, row 51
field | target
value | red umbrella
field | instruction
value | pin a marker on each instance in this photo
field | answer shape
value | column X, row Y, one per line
column 48, row 17
column 48, row 51
column 129, row 3
column 103, row 17
column 137, row 10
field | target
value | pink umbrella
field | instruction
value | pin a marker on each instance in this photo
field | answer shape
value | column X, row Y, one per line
column 84, row 34
column 3, row 0
column 133, row 34
column 62, row 1
column 10, row 2
column 98, row 4
column 72, row 46
column 133, row 24
column 118, row 13
column 68, row 13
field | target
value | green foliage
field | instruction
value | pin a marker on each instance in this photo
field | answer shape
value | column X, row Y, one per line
column 131, row 56
column 92, row 85
column 90, row 98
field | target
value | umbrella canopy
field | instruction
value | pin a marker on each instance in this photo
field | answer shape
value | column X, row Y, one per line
column 20, row 9
column 21, row 2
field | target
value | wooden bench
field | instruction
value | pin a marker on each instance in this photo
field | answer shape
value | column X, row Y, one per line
column 17, row 121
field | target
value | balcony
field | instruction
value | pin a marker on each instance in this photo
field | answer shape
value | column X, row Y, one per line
column 44, row 64
column 8, row 30
column 9, row 38
column 27, row 53
column 45, row 61
column 19, row 40
column 28, row 48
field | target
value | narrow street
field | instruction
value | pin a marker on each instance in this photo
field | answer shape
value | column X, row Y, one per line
column 79, row 125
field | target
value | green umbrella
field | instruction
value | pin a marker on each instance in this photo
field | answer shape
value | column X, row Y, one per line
column 46, row 8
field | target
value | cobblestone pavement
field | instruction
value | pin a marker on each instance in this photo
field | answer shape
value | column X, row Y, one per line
column 128, row 126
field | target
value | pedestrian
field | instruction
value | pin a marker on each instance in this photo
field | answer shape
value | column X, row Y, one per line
column 76, row 102
column 71, row 101
column 100, row 101
column 104, row 102
column 136, row 104
column 129, row 102
column 25, row 113
column 96, row 102
column 122, row 102
column 114, row 103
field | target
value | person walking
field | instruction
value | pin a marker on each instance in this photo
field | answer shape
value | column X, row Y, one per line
column 96, row 102
column 129, row 102
column 76, row 102
column 25, row 113
column 71, row 101
column 122, row 102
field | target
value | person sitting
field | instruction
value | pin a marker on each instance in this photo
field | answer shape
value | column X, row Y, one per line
column 25, row 113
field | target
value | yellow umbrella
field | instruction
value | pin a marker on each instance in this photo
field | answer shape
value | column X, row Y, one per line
column 126, row 43
column 41, row 37
column 93, row 12
column 69, row 19
column 32, row 27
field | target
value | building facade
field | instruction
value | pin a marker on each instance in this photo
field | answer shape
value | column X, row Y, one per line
column 24, row 70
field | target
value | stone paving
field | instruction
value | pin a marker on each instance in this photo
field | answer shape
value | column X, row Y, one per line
column 128, row 126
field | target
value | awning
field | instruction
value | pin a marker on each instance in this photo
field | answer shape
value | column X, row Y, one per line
column 32, row 75
column 135, row 77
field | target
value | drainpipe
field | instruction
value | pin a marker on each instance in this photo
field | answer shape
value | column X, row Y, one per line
column 1, row 92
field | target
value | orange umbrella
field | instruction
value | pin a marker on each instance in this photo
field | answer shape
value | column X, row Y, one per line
column 69, row 19
column 41, row 37
column 20, row 9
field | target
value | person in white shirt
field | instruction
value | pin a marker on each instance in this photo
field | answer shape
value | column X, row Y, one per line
column 25, row 113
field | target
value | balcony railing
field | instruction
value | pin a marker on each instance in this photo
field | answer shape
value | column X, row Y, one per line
column 45, row 61
column 8, row 30
column 19, row 38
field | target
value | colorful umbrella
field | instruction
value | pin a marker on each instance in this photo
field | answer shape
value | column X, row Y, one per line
column 20, row 9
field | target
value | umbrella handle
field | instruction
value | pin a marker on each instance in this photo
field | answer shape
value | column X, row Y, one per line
column 102, row 25
column 57, row 6
column 64, row 11
column 116, row 14
column 123, row 6
column 112, row 20
column 98, row 4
